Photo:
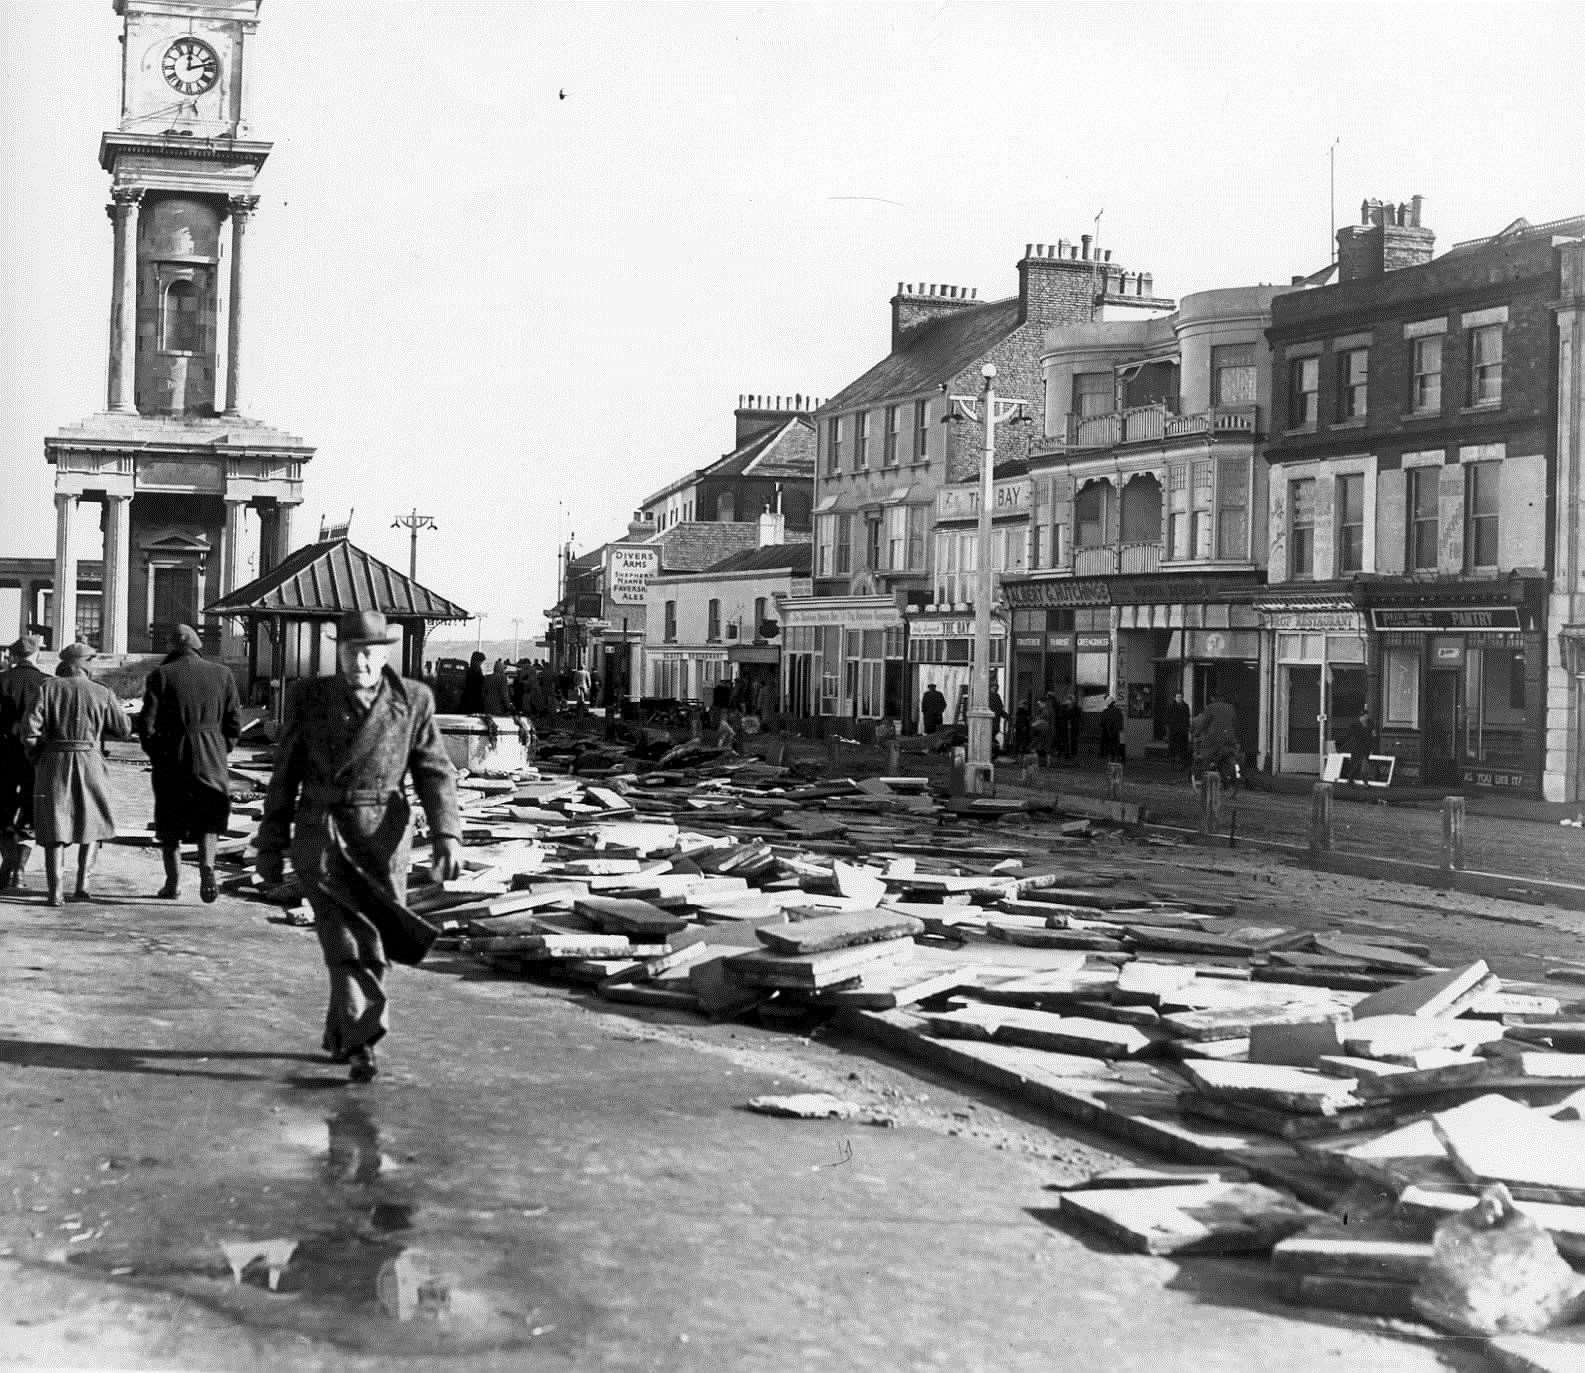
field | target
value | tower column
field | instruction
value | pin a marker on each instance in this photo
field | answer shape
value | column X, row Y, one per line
column 117, row 561
column 63, row 609
column 242, row 208
column 123, row 212
column 231, row 576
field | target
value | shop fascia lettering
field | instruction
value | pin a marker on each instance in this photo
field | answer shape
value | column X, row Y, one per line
column 1473, row 618
column 951, row 629
column 1010, row 497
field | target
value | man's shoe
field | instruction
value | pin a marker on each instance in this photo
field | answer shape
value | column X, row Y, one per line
column 363, row 1066
column 169, row 892
column 207, row 890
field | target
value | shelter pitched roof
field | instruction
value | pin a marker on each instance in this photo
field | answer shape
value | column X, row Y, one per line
column 931, row 354
column 331, row 577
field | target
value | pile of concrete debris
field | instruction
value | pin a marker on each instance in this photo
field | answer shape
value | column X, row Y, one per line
column 1328, row 1097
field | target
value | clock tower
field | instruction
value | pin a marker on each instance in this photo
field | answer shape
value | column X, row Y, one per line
column 180, row 475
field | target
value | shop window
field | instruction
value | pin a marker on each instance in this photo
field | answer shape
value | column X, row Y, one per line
column 713, row 621
column 1094, row 393
column 830, row 667
column 1423, row 517
column 1426, row 397
column 1481, row 487
column 834, row 444
column 1349, row 504
column 1232, row 374
column 1353, row 372
column 1401, row 697
column 1485, row 365
column 1301, row 528
column 894, row 423
column 1304, row 392
column 921, row 430
column 179, row 323
column 671, row 622
column 842, row 557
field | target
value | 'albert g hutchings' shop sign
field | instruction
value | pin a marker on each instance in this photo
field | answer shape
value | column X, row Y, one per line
column 627, row 576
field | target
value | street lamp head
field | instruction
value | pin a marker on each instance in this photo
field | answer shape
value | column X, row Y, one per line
column 988, row 371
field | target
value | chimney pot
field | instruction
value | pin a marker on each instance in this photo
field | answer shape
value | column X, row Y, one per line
column 1029, row 250
column 1415, row 202
column 1085, row 240
column 1108, row 254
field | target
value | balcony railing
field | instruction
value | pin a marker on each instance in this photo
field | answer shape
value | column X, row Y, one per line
column 1110, row 559
column 1152, row 424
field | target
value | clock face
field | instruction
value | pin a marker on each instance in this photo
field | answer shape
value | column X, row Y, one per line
column 191, row 66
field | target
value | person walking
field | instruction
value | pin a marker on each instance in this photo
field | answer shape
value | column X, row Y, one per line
column 932, row 709
column 497, row 698
column 64, row 734
column 335, row 800
column 19, row 688
column 1177, row 722
column 1111, row 749
column 473, row 686
column 191, row 720
column 1360, row 741
column 1215, row 734
column 1040, row 730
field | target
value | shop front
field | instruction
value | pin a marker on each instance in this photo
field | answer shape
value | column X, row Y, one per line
column 843, row 658
column 1463, row 672
column 941, row 653
column 1138, row 640
column 1320, row 675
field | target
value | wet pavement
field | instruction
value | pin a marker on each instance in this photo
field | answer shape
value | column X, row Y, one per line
column 532, row 1181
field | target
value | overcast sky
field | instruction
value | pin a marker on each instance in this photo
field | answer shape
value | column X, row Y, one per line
column 515, row 262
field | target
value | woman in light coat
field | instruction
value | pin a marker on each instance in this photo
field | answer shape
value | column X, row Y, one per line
column 64, row 735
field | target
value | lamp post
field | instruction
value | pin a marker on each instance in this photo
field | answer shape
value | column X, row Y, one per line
column 517, row 621
column 413, row 523
column 989, row 409
column 478, row 642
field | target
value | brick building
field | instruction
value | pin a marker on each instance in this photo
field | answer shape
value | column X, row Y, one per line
column 884, row 458
column 1148, row 501
column 1412, row 497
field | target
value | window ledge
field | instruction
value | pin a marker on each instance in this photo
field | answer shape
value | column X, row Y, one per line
column 1421, row 416
column 1484, row 408
column 1352, row 422
column 1302, row 431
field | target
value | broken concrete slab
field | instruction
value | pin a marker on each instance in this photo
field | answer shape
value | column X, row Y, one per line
column 1196, row 1218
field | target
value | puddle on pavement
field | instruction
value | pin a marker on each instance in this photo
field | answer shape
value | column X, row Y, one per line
column 357, row 1257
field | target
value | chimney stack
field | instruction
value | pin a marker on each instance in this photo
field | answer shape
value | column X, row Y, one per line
column 1388, row 237
column 757, row 413
column 914, row 306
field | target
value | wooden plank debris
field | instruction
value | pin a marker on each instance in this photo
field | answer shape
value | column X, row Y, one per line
column 1196, row 1218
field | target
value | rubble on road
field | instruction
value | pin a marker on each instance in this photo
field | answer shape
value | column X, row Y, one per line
column 1003, row 942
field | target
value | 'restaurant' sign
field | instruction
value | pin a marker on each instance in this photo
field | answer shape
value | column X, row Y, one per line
column 1465, row 617
column 628, row 570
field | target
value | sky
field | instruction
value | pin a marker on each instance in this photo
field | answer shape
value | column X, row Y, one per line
column 514, row 262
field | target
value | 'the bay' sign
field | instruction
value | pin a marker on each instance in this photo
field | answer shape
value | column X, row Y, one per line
column 628, row 572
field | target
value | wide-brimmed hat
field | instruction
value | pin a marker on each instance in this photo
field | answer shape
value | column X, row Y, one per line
column 26, row 646
column 365, row 627
column 185, row 636
column 78, row 653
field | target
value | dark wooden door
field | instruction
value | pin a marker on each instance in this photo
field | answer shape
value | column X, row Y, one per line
column 175, row 601
column 1440, row 765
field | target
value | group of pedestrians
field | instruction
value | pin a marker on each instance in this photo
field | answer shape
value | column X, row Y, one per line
column 54, row 785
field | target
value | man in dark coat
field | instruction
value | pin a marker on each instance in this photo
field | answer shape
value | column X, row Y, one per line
column 191, row 720
column 1112, row 731
column 19, row 689
column 473, row 686
column 1178, row 717
column 335, row 798
column 932, row 709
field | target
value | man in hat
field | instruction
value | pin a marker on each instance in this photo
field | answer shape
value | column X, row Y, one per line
column 335, row 798
column 64, row 734
column 191, row 720
column 19, row 689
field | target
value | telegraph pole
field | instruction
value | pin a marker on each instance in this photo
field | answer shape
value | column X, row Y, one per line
column 413, row 523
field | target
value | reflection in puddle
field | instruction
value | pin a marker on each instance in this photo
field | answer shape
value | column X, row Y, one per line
column 349, row 1253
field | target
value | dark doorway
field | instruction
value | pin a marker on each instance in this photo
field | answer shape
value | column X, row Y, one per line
column 175, row 600
column 1440, row 764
